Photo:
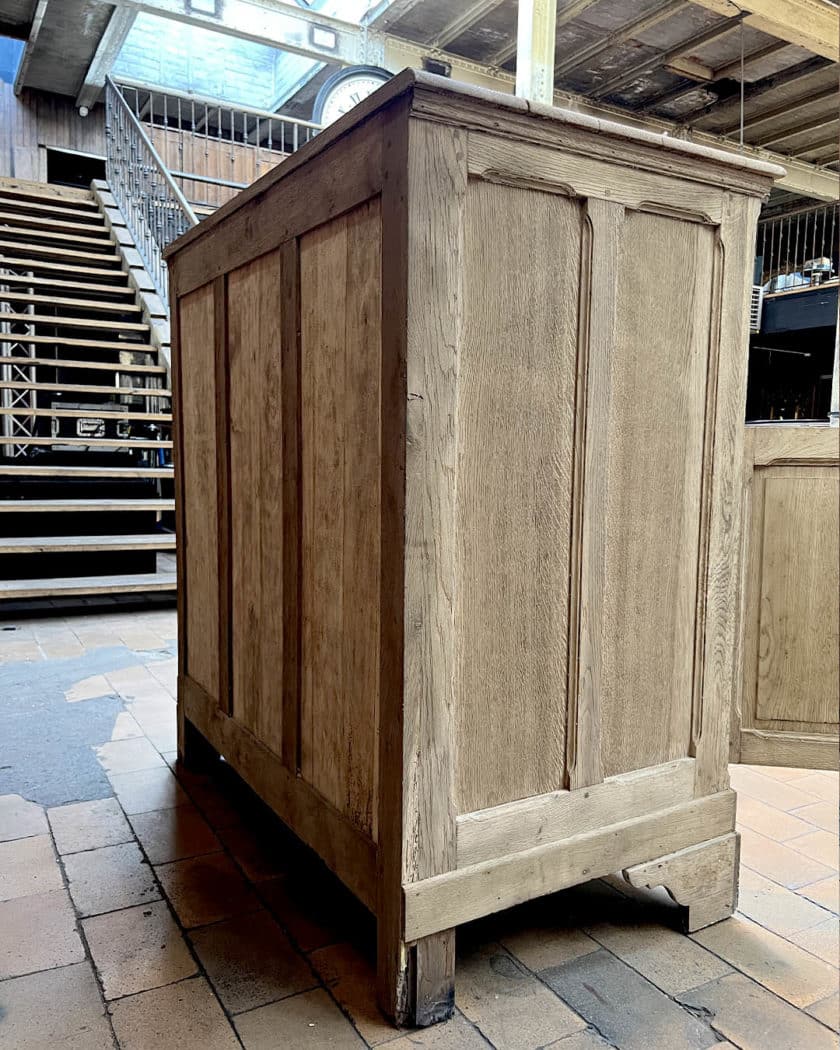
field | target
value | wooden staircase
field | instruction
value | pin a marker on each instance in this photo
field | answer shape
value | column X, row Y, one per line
column 85, row 411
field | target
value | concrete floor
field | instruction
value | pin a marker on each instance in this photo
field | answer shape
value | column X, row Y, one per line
column 151, row 910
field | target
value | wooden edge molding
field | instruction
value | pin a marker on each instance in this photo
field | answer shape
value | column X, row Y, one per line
column 346, row 851
column 791, row 445
column 444, row 901
column 558, row 815
column 806, row 751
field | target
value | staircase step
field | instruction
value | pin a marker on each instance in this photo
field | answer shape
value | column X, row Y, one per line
column 126, row 443
column 59, row 362
column 93, row 344
column 23, row 470
column 51, row 223
column 77, row 413
column 18, row 263
column 76, row 389
column 39, row 192
column 74, row 322
column 76, row 286
column 49, row 506
column 153, row 541
column 31, row 249
column 72, row 585
column 30, row 235
column 93, row 305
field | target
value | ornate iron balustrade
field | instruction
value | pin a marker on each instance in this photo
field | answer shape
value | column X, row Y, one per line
column 153, row 206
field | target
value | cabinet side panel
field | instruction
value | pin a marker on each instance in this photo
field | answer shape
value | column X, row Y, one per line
column 797, row 671
column 655, row 489
column 340, row 288
column 254, row 314
column 196, row 325
column 515, row 437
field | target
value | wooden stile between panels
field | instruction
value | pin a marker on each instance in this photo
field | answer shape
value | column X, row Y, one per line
column 459, row 391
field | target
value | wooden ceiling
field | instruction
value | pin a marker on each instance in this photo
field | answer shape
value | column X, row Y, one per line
column 672, row 59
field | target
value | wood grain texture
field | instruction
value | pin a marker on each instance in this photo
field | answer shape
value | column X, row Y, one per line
column 200, row 538
column 340, row 365
column 656, row 444
column 255, row 313
column 515, row 420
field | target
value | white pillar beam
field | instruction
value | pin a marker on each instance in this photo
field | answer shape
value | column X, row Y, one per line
column 536, row 31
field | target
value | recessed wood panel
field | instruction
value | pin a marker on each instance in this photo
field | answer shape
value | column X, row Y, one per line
column 654, row 489
column 255, row 310
column 515, row 435
column 797, row 673
column 340, row 282
column 196, row 323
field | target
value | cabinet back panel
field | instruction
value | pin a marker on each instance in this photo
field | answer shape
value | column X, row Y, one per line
column 516, row 389
column 340, row 282
column 653, row 517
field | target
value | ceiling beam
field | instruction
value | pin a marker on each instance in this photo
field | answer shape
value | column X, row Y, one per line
column 466, row 20
column 830, row 141
column 29, row 47
column 536, row 33
column 811, row 24
column 506, row 53
column 110, row 45
column 690, row 67
column 817, row 124
column 618, row 36
column 663, row 59
column 733, row 69
column 785, row 109
column 761, row 87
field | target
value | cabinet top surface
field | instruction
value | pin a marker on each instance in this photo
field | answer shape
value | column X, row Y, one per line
column 447, row 101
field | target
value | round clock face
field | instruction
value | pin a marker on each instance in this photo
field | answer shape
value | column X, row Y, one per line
column 348, row 92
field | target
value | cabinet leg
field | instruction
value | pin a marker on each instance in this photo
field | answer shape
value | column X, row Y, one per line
column 703, row 878
column 194, row 751
column 420, row 990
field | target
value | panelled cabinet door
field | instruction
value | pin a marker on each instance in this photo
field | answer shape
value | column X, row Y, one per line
column 790, row 629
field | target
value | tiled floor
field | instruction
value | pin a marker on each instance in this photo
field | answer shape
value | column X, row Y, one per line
column 146, row 908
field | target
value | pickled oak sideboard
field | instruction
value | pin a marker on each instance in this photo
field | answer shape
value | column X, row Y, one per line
column 460, row 394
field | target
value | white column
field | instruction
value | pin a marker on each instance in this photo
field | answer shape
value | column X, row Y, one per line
column 535, row 50
column 834, row 408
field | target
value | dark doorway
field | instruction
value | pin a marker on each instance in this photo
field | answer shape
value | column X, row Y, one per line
column 68, row 168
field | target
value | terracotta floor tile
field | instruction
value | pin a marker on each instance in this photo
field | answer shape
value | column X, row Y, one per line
column 183, row 1016
column 89, row 825
column 88, row 689
column 666, row 958
column 147, row 790
column 251, row 962
column 110, row 878
column 822, row 846
column 822, row 940
column 28, row 866
column 782, row 773
column 125, row 727
column 457, row 1034
column 138, row 949
column 826, row 892
column 54, row 1010
column 539, row 948
column 773, row 823
column 510, row 1006
column 753, row 1019
column 822, row 814
column 259, row 852
column 777, row 964
column 779, row 795
column 309, row 1021
column 776, row 907
column 824, row 785
column 38, row 933
column 128, row 756
column 206, row 889
column 174, row 834
column 20, row 819
column 590, row 1040
column 777, row 861
column 352, row 982
column 306, row 913
column 827, row 1011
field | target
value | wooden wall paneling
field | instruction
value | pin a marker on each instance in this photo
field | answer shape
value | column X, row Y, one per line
column 721, row 579
column 179, row 493
column 655, row 475
column 255, row 325
column 224, row 501
column 600, row 242
column 340, row 274
column 515, row 383
column 200, row 540
column 291, row 500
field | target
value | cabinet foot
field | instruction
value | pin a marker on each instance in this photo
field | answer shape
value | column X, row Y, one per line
column 424, row 990
column 194, row 751
column 702, row 878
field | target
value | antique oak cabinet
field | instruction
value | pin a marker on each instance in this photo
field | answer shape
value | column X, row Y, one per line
column 460, row 396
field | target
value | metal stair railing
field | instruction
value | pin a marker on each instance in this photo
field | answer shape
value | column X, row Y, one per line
column 154, row 208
